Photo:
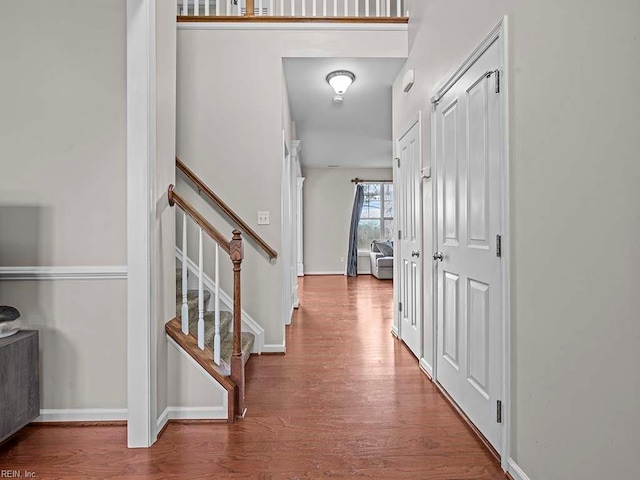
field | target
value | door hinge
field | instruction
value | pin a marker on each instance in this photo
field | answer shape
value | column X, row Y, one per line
column 498, row 245
column 399, row 234
column 400, row 306
column 497, row 72
column 499, row 411
column 398, row 160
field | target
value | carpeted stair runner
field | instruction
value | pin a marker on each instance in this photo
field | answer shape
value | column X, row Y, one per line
column 226, row 335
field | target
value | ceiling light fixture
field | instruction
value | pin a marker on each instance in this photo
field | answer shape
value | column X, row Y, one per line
column 340, row 81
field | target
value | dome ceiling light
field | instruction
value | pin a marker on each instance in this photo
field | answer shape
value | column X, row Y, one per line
column 340, row 81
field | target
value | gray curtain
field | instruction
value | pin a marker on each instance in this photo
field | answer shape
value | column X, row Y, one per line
column 352, row 255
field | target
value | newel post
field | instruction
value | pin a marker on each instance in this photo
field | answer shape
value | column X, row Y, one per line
column 250, row 11
column 237, row 365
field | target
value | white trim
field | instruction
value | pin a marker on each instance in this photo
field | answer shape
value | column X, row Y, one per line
column 497, row 34
column 394, row 331
column 450, row 81
column 141, row 211
column 82, row 415
column 329, row 26
column 506, row 241
column 162, row 420
column 425, row 367
column 104, row 272
column 326, row 273
column 248, row 322
column 516, row 472
column 197, row 413
column 274, row 348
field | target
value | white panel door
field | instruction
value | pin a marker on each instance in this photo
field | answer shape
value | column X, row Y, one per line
column 469, row 289
column 409, row 217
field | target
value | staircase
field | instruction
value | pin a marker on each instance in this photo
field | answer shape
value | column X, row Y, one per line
column 213, row 339
column 226, row 331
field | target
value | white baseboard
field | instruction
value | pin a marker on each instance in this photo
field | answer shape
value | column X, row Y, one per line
column 248, row 322
column 191, row 413
column 426, row 368
column 274, row 348
column 162, row 420
column 394, row 331
column 301, row 269
column 324, row 273
column 82, row 415
column 516, row 472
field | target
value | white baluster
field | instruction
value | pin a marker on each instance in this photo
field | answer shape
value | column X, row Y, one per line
column 196, row 7
column 335, row 8
column 324, row 8
column 260, row 7
column 200, row 296
column 216, row 302
column 239, row 9
column 184, row 313
column 388, row 11
column 377, row 8
column 217, row 8
column 346, row 8
column 304, row 8
column 357, row 12
column 271, row 8
column 399, row 8
column 206, row 7
column 293, row 8
column 282, row 8
column 185, row 7
column 366, row 8
column 315, row 8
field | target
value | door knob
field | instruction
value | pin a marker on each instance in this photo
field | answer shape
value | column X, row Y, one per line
column 415, row 253
column 438, row 256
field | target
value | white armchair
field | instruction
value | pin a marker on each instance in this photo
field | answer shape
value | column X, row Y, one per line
column 382, row 260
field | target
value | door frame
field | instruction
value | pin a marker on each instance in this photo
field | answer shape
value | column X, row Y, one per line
column 498, row 34
column 396, row 329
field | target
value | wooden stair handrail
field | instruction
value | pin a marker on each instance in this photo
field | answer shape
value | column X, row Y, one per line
column 176, row 199
column 241, row 224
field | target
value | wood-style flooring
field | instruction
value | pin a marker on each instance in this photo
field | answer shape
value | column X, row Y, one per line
column 347, row 401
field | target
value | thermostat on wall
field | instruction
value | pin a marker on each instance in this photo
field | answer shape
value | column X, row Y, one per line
column 408, row 79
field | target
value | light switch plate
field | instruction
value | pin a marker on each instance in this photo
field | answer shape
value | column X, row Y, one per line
column 263, row 218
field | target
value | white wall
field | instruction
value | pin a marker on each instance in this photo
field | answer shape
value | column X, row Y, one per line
column 63, row 189
column 574, row 177
column 229, row 130
column 328, row 201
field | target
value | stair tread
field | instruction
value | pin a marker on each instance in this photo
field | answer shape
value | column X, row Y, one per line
column 226, row 319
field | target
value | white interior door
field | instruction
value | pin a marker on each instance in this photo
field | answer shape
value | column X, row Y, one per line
column 469, row 290
column 409, row 202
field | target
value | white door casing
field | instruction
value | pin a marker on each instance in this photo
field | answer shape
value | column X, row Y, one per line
column 408, row 192
column 469, row 177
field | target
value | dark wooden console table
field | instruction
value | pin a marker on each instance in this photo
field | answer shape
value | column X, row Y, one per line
column 19, row 382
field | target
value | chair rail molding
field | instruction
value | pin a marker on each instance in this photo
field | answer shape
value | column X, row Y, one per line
column 100, row 272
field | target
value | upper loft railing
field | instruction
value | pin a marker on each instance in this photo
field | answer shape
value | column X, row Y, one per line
column 226, row 209
column 292, row 10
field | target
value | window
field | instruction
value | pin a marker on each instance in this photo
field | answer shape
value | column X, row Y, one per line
column 376, row 220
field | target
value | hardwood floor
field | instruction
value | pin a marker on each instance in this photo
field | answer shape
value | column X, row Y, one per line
column 347, row 401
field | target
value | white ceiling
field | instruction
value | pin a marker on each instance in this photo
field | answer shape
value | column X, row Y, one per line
column 354, row 134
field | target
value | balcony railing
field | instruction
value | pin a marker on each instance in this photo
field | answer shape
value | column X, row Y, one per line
column 300, row 9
